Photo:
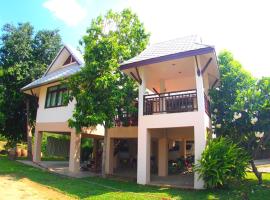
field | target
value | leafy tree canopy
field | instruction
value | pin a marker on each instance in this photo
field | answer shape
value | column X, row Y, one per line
column 240, row 107
column 100, row 89
column 24, row 56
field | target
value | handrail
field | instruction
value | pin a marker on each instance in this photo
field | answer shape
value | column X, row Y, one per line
column 170, row 102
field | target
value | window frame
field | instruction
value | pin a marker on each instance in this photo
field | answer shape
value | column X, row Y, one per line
column 59, row 88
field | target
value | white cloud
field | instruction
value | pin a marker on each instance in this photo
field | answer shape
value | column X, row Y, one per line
column 69, row 11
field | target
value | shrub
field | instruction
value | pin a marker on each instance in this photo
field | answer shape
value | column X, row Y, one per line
column 222, row 162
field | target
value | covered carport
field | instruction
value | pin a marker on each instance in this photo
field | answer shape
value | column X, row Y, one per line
column 121, row 155
column 74, row 164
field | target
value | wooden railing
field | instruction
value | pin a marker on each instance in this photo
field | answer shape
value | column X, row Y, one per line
column 170, row 102
column 126, row 120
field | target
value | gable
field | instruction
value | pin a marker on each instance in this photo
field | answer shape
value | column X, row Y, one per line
column 64, row 58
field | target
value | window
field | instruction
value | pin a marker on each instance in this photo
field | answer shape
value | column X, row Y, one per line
column 55, row 96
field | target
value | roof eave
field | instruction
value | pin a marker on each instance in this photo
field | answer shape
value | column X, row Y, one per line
column 38, row 85
column 167, row 57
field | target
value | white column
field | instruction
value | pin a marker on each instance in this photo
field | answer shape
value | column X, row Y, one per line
column 183, row 146
column 163, row 156
column 143, row 165
column 199, row 87
column 142, row 88
column 75, row 151
column 144, row 141
column 37, row 146
column 200, row 126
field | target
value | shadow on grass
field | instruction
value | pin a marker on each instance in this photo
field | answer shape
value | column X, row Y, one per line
column 99, row 188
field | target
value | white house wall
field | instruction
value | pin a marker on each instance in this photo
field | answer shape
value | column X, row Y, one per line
column 56, row 114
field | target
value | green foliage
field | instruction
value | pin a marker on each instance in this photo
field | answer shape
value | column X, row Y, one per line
column 254, row 104
column 233, row 80
column 53, row 135
column 222, row 162
column 241, row 105
column 24, row 56
column 101, row 90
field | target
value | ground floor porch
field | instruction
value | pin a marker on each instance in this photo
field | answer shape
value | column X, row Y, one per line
column 78, row 158
column 171, row 155
column 60, row 167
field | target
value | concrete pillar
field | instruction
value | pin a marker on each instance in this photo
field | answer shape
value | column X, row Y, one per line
column 163, row 156
column 37, row 146
column 199, row 86
column 74, row 152
column 144, row 147
column 142, row 89
column 183, row 145
column 200, row 126
column 162, row 88
column 110, row 156
column 200, row 143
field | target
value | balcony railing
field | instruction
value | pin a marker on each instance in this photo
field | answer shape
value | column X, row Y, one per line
column 171, row 102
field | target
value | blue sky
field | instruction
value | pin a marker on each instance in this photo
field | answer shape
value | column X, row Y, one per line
column 240, row 26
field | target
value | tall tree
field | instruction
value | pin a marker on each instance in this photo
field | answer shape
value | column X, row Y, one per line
column 100, row 89
column 234, row 79
column 240, row 107
column 253, row 105
column 24, row 56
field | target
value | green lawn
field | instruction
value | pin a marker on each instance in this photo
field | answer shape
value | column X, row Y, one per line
column 98, row 188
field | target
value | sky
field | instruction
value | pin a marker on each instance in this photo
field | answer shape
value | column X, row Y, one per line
column 241, row 26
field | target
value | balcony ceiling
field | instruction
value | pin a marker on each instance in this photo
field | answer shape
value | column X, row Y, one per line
column 177, row 74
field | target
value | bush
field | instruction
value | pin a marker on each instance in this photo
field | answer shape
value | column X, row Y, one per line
column 222, row 162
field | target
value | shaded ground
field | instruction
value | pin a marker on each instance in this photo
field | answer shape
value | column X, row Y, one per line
column 59, row 167
column 99, row 188
column 263, row 165
column 11, row 188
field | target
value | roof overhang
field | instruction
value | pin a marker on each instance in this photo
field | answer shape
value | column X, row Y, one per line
column 179, row 55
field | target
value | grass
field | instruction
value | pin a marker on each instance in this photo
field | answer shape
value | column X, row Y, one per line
column 99, row 188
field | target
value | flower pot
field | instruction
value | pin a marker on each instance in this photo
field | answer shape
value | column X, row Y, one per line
column 23, row 152
column 12, row 154
column 18, row 152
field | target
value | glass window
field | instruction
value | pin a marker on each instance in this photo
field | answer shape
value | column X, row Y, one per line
column 55, row 96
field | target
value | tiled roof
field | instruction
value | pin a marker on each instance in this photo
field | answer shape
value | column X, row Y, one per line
column 178, row 46
column 60, row 73
column 54, row 76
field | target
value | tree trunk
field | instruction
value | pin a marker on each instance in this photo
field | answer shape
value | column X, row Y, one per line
column 256, row 172
column 104, row 152
column 29, row 132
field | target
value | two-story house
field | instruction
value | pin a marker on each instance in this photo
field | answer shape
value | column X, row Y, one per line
column 53, row 113
column 173, row 111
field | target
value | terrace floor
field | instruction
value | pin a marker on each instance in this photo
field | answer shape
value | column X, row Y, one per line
column 176, row 181
column 59, row 167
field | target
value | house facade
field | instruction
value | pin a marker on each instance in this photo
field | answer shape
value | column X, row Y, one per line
column 173, row 112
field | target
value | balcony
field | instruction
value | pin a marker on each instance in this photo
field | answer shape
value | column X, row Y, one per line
column 171, row 102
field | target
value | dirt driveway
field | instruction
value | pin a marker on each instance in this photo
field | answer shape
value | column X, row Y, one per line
column 12, row 188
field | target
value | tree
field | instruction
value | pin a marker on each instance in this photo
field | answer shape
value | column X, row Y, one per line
column 100, row 89
column 233, row 79
column 24, row 56
column 240, row 108
column 254, row 106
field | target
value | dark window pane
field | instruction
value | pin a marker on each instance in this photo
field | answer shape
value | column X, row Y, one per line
column 48, row 100
column 55, row 96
